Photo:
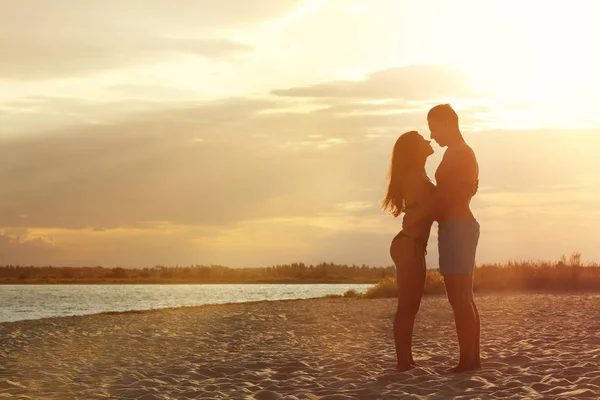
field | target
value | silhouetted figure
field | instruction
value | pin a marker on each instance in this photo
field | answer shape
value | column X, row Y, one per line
column 409, row 191
column 457, row 179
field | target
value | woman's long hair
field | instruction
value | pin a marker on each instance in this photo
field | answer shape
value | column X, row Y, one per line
column 404, row 159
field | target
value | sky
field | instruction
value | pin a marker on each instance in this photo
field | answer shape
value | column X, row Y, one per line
column 253, row 133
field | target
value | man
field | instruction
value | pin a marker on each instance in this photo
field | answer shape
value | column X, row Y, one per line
column 457, row 180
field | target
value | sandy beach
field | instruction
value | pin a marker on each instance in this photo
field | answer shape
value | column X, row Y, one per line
column 536, row 346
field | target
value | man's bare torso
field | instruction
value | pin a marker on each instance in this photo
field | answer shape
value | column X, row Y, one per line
column 458, row 177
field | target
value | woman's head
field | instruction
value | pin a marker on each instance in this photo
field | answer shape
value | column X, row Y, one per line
column 411, row 150
column 409, row 155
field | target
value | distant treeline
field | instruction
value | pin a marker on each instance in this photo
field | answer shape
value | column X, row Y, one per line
column 291, row 273
column 566, row 274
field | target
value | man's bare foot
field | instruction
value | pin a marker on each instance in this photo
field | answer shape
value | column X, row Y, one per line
column 401, row 367
column 464, row 367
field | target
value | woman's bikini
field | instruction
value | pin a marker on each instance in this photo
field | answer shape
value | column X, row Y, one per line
column 418, row 230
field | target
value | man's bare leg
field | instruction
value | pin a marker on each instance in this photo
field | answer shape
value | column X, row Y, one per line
column 459, row 289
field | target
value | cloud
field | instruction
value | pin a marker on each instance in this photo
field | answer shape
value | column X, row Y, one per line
column 255, row 159
column 414, row 82
column 269, row 172
column 142, row 14
column 35, row 59
column 67, row 37
column 157, row 93
column 258, row 158
column 25, row 249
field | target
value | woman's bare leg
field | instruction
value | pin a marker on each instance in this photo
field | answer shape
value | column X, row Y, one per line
column 477, row 339
column 419, row 286
column 410, row 278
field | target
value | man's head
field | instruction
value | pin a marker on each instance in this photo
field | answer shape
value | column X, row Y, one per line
column 443, row 124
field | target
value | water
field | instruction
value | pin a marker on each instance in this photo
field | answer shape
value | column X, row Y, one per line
column 21, row 302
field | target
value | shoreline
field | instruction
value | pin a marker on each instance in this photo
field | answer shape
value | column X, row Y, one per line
column 163, row 309
column 326, row 297
column 16, row 282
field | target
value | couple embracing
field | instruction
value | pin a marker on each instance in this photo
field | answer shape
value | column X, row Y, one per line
column 410, row 191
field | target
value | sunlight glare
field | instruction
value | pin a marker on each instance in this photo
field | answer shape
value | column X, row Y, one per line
column 532, row 53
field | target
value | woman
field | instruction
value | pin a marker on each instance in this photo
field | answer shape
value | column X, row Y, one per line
column 410, row 192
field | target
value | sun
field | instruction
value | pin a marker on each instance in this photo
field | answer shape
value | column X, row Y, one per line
column 533, row 55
